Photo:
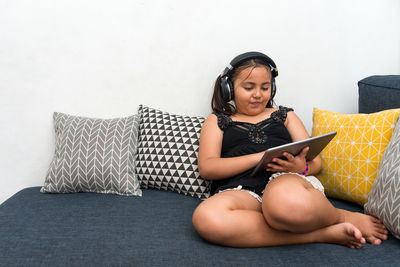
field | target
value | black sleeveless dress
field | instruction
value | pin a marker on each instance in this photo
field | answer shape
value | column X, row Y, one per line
column 243, row 138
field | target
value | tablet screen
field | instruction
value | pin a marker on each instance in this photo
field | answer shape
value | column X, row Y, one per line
column 316, row 144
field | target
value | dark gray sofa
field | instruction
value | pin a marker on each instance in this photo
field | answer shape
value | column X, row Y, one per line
column 88, row 229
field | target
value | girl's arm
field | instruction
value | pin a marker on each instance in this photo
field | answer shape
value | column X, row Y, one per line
column 297, row 164
column 211, row 165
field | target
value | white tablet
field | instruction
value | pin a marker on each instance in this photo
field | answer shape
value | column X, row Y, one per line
column 316, row 145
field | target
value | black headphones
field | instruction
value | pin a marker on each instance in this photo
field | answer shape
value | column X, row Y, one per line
column 226, row 83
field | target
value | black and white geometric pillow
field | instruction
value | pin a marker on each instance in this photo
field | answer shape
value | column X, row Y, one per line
column 94, row 155
column 167, row 153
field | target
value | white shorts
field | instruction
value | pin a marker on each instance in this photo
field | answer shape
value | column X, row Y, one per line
column 311, row 179
column 240, row 188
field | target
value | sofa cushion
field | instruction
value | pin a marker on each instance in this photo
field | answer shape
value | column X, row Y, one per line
column 378, row 93
column 351, row 160
column 384, row 198
column 93, row 155
column 167, row 153
column 90, row 229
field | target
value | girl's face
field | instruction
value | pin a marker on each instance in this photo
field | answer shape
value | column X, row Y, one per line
column 252, row 90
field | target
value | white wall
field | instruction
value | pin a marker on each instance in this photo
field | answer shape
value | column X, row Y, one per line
column 104, row 58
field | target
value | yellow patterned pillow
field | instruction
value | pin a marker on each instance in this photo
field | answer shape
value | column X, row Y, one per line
column 351, row 160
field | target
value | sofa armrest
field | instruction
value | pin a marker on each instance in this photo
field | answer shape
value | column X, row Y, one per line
column 378, row 93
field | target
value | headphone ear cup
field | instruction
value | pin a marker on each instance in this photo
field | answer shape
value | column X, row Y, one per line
column 226, row 89
column 273, row 88
column 231, row 91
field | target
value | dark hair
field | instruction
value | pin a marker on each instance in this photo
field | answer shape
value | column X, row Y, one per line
column 218, row 104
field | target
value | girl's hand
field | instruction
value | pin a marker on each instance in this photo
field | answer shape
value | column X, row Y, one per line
column 292, row 164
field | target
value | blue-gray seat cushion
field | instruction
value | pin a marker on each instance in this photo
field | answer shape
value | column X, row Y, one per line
column 89, row 229
column 378, row 92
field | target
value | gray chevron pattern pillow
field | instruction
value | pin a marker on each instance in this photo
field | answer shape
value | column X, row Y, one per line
column 384, row 198
column 167, row 153
column 94, row 155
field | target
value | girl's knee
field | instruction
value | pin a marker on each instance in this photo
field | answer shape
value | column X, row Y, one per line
column 284, row 206
column 209, row 224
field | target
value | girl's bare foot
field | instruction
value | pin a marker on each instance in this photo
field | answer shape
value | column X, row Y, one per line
column 343, row 234
column 371, row 228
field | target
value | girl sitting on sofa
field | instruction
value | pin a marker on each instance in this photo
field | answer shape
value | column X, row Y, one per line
column 284, row 204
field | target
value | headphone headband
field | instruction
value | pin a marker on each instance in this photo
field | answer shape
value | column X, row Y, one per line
column 251, row 55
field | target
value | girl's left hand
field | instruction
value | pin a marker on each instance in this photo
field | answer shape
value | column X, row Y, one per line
column 291, row 164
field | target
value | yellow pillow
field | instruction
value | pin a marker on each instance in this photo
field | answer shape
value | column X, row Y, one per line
column 351, row 160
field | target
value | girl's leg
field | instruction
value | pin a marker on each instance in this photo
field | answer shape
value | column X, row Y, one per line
column 291, row 203
column 234, row 218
